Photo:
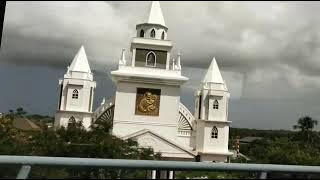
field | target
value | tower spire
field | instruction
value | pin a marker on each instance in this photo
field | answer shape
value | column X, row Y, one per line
column 213, row 74
column 155, row 15
column 80, row 62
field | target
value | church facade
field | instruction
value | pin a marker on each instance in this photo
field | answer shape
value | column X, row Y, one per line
column 146, row 106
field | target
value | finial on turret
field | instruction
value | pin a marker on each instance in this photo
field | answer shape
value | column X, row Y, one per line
column 173, row 64
column 103, row 101
column 178, row 66
column 68, row 70
column 123, row 58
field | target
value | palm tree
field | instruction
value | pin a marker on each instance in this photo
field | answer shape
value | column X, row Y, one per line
column 306, row 124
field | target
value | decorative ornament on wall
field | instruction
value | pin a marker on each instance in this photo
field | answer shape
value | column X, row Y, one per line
column 147, row 142
column 148, row 102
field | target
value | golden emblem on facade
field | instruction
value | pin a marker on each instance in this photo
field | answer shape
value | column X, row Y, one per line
column 148, row 101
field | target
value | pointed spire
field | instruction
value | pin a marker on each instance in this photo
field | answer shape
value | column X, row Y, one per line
column 80, row 62
column 213, row 74
column 155, row 15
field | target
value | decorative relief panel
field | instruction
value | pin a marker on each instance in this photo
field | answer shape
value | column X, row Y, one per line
column 148, row 102
column 147, row 142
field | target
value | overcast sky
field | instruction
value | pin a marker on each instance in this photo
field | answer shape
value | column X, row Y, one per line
column 268, row 52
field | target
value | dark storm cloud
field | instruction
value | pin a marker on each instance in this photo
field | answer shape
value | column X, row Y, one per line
column 268, row 52
column 267, row 42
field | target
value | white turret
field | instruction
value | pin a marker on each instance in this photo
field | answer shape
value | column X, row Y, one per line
column 76, row 93
column 155, row 26
column 211, row 113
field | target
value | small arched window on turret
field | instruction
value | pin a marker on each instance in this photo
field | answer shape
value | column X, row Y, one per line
column 142, row 33
column 75, row 94
column 162, row 36
column 214, row 133
column 151, row 59
column 153, row 33
column 71, row 122
column 216, row 104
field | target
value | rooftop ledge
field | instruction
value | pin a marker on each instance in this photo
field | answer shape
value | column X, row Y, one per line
column 151, row 41
column 145, row 74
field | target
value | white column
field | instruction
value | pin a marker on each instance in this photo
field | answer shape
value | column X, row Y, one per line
column 168, row 61
column 92, row 96
column 153, row 174
column 133, row 60
column 170, row 174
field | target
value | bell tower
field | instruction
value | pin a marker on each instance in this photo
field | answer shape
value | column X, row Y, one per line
column 76, row 93
column 211, row 114
column 151, row 48
column 148, row 87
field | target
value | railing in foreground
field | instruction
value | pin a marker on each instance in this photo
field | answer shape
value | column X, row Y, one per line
column 28, row 161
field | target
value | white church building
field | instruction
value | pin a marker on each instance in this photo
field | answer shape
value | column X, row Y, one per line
column 146, row 106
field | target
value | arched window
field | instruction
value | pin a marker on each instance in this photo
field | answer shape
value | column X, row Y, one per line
column 75, row 94
column 151, row 59
column 142, row 33
column 153, row 33
column 71, row 122
column 162, row 36
column 214, row 132
column 216, row 104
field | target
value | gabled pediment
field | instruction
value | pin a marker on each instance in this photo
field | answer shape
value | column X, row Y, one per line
column 167, row 148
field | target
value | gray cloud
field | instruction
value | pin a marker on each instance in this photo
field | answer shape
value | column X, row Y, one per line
column 265, row 50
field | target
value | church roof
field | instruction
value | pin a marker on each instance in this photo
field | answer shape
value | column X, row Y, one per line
column 213, row 74
column 25, row 124
column 155, row 15
column 172, row 143
column 80, row 62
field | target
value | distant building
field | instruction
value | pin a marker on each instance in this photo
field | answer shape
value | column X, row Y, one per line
column 249, row 139
column 25, row 124
column 1, row 115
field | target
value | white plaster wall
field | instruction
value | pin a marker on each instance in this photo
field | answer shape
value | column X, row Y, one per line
column 185, row 141
column 166, row 149
column 126, row 122
column 204, row 104
column 217, row 114
column 74, row 104
column 83, row 101
column 199, row 136
column 215, row 145
column 215, row 157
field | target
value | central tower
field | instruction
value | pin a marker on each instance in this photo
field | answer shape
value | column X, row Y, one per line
column 148, row 86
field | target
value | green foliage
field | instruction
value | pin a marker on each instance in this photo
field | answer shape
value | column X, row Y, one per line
column 305, row 124
column 276, row 147
column 74, row 141
column 214, row 175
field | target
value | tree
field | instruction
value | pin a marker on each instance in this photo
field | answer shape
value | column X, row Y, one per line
column 20, row 112
column 75, row 141
column 305, row 125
